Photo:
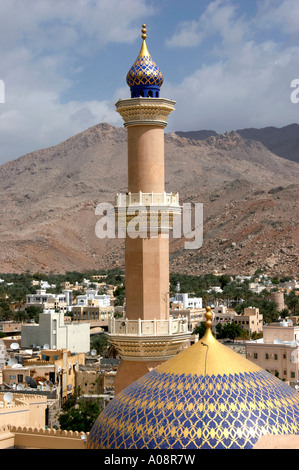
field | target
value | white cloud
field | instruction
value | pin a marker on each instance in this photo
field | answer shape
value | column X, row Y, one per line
column 220, row 17
column 247, row 83
column 281, row 14
column 43, row 40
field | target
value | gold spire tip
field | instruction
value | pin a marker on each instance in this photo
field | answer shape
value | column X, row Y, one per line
column 143, row 31
column 208, row 316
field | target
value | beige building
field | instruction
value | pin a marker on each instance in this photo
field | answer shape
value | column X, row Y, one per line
column 92, row 313
column 22, row 409
column 52, row 370
column 251, row 320
column 277, row 351
column 194, row 315
column 10, row 327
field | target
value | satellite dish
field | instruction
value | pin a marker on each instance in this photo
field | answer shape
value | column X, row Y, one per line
column 93, row 352
column 20, row 387
column 46, row 346
column 30, row 381
column 8, row 396
column 278, row 341
column 14, row 346
column 16, row 366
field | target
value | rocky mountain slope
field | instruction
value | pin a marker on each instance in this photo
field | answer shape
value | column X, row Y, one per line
column 283, row 141
column 249, row 195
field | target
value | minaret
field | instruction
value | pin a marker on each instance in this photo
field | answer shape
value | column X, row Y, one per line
column 148, row 336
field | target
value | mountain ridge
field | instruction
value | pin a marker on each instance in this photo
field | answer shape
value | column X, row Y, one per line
column 283, row 141
column 47, row 211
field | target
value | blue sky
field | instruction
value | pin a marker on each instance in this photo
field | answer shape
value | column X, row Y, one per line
column 228, row 64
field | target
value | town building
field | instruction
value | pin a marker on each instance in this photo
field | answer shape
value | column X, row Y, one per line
column 278, row 350
column 188, row 302
column 93, row 308
column 251, row 320
column 56, row 334
column 51, row 372
column 22, row 410
column 45, row 300
column 92, row 298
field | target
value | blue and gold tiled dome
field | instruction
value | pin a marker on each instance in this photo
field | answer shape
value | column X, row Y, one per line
column 144, row 77
column 205, row 397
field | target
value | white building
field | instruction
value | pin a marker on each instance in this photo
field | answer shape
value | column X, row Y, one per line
column 45, row 300
column 53, row 332
column 188, row 302
column 91, row 295
column 256, row 287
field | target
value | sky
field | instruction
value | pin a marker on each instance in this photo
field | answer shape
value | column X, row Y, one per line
column 228, row 64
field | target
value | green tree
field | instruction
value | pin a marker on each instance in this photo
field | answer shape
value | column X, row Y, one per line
column 292, row 301
column 229, row 330
column 99, row 343
column 80, row 416
column 200, row 330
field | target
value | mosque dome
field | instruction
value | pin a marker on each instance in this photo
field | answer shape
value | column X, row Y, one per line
column 144, row 77
column 205, row 397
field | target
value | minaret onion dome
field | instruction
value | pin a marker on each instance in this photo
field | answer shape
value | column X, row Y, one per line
column 144, row 77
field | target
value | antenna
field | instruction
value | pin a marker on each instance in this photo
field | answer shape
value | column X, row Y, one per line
column 8, row 396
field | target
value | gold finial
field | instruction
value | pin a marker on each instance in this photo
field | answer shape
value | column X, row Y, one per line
column 143, row 31
column 208, row 316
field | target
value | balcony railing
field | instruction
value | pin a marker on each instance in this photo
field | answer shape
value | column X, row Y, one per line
column 143, row 328
column 147, row 199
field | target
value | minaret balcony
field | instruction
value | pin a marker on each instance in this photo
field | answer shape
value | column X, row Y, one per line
column 151, row 211
column 136, row 111
column 144, row 340
column 147, row 199
column 170, row 326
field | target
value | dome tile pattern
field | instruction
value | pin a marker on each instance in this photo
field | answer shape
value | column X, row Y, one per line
column 168, row 411
column 205, row 397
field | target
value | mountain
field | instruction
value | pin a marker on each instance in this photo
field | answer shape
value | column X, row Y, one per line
column 283, row 141
column 249, row 196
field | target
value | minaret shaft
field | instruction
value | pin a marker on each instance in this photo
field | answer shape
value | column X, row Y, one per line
column 146, row 159
column 147, row 278
column 146, row 259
